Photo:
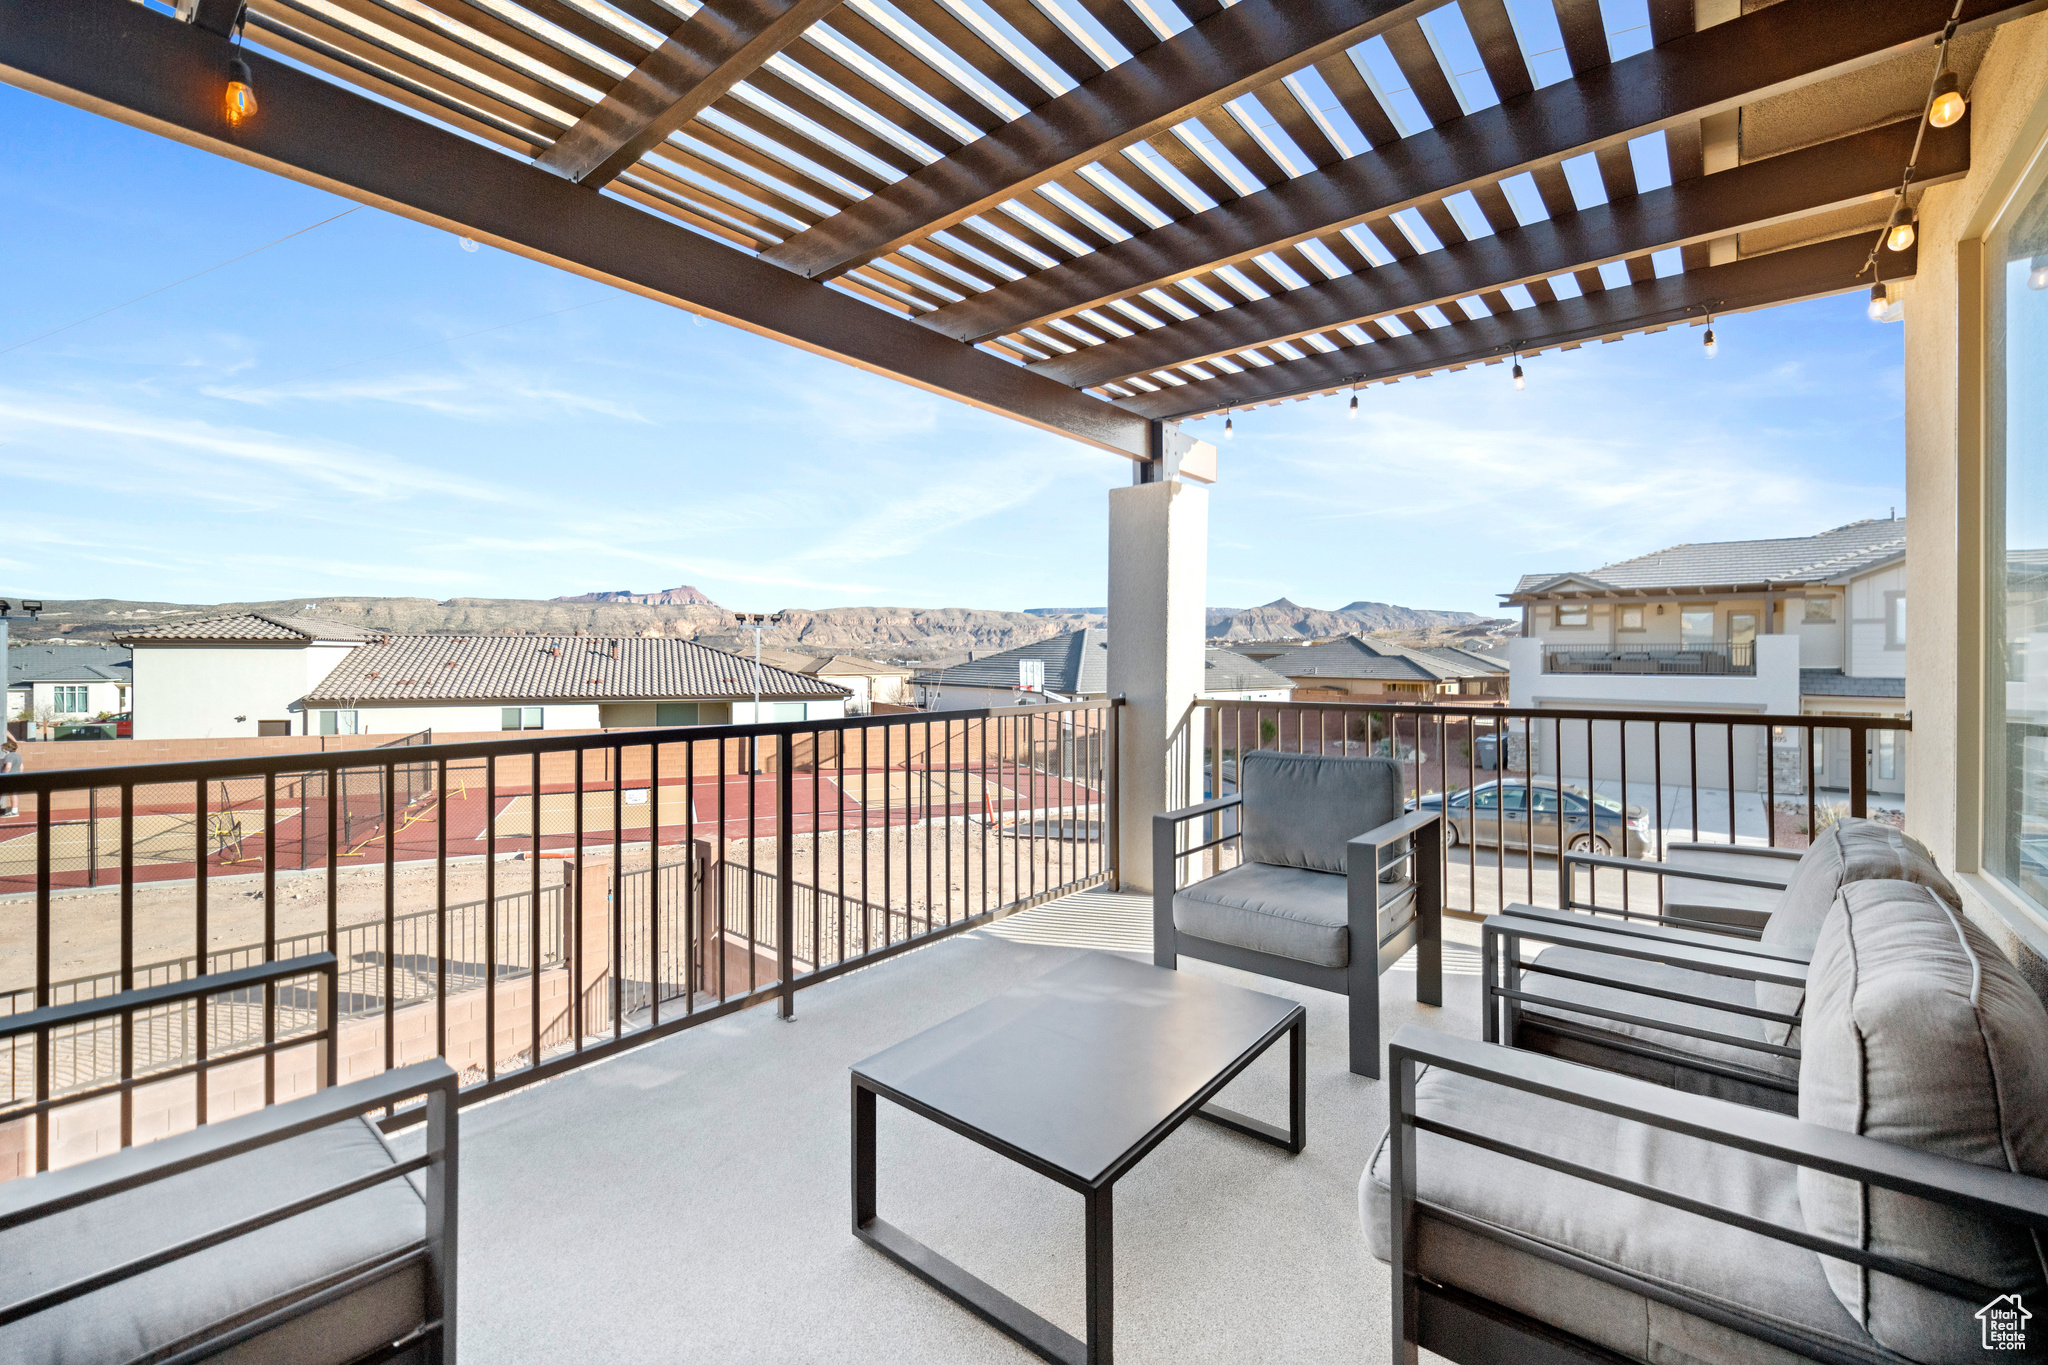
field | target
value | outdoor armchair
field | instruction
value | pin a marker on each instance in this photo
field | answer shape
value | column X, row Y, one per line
column 1320, row 898
column 293, row 1234
column 1533, row 1209
column 1631, row 994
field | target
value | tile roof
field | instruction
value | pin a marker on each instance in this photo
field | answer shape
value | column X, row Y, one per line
column 1827, row 557
column 1352, row 657
column 1227, row 671
column 558, row 668
column 250, row 626
column 68, row 663
column 1829, row 682
column 1482, row 664
column 1076, row 665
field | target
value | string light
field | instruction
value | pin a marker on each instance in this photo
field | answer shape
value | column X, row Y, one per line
column 1520, row 383
column 1229, row 426
column 1713, row 347
column 1944, row 102
column 1948, row 103
column 1877, row 303
column 1353, row 413
column 241, row 93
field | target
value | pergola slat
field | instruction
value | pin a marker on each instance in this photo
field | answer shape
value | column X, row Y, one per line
column 1791, row 44
column 1426, row 79
column 1858, row 168
column 1499, row 50
column 1756, row 282
column 1197, row 71
column 704, row 57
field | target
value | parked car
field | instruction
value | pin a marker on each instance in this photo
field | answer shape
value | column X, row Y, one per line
column 86, row 729
column 124, row 725
column 1503, row 807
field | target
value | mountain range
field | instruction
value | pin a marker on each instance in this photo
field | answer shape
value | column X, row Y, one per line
column 915, row 633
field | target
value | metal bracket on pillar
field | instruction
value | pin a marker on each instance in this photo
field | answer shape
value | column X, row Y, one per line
column 1176, row 455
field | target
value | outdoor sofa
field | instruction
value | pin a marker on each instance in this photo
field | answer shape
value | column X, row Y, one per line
column 293, row 1235
column 1320, row 897
column 1536, row 1210
column 1704, row 1011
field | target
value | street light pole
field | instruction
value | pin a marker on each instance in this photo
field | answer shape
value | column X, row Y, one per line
column 756, row 622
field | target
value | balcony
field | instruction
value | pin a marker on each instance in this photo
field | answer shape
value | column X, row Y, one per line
column 1718, row 659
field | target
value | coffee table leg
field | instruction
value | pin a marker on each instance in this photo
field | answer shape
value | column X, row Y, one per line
column 1101, row 1271
column 1297, row 1085
column 863, row 1156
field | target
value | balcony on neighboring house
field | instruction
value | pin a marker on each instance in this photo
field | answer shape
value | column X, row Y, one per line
column 1722, row 659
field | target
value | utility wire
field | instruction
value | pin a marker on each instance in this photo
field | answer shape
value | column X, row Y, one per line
column 391, row 355
column 175, row 283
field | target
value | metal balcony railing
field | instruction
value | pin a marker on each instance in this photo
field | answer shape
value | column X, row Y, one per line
column 663, row 878
column 1723, row 658
column 1514, row 783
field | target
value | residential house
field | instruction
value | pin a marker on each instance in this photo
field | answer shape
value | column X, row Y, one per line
column 1075, row 666
column 252, row 674
column 869, row 680
column 58, row 683
column 1808, row 625
column 1353, row 668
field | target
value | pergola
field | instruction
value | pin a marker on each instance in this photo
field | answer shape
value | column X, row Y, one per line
column 1100, row 217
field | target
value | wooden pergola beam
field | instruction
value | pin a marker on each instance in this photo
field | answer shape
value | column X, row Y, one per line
column 145, row 68
column 1805, row 272
column 1830, row 175
column 1764, row 53
column 715, row 49
column 1197, row 71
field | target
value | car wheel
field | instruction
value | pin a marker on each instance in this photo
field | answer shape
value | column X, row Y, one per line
column 1591, row 843
column 1451, row 837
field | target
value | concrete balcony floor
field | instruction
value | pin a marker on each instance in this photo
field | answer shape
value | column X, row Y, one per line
column 690, row 1201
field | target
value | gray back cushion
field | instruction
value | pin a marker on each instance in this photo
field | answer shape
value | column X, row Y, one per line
column 1918, row 1033
column 1848, row 851
column 1301, row 809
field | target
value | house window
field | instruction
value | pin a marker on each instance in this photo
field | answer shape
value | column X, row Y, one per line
column 68, row 700
column 1820, row 611
column 1696, row 627
column 520, row 718
column 1887, row 754
column 676, row 713
column 1895, row 620
column 335, row 723
column 1571, row 615
column 1631, row 618
column 2015, row 739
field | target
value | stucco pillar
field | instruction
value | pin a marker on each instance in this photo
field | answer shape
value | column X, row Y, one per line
column 1158, row 591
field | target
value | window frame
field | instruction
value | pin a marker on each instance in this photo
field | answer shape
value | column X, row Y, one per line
column 1895, row 621
column 1584, row 609
column 1621, row 615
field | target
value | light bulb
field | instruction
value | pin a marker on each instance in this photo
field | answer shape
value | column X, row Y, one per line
column 1900, row 237
column 2038, row 277
column 1353, row 414
column 1520, row 383
column 1713, row 346
column 1877, row 303
column 1229, row 428
column 1948, row 103
column 241, row 93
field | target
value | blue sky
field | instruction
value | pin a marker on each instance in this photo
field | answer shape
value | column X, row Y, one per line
column 370, row 409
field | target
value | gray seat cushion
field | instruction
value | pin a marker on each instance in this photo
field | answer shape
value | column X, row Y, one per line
column 1300, row 810
column 1609, row 1043
column 1289, row 912
column 1919, row 1033
column 1848, row 851
column 212, row 1290
column 1725, row 1266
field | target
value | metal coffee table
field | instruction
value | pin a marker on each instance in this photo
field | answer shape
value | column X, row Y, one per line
column 1077, row 1076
